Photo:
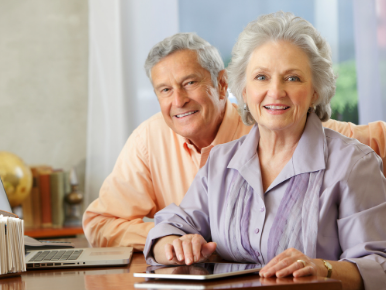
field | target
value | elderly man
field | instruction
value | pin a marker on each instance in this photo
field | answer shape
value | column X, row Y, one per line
column 162, row 156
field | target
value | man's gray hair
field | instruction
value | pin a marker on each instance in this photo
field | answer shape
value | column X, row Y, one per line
column 208, row 56
column 284, row 26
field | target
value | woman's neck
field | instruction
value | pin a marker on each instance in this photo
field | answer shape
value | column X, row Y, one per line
column 275, row 150
column 273, row 143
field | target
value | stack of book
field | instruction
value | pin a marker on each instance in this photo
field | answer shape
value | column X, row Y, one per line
column 12, row 255
column 44, row 207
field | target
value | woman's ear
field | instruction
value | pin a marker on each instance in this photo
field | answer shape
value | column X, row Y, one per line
column 244, row 94
column 315, row 97
column 222, row 83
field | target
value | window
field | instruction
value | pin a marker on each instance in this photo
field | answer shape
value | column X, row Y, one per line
column 220, row 23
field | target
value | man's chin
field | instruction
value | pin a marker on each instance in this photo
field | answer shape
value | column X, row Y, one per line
column 188, row 133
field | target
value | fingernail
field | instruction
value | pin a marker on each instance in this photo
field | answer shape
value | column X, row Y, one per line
column 187, row 261
column 180, row 257
column 195, row 259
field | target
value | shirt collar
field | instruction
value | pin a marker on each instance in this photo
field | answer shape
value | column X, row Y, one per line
column 308, row 155
column 226, row 130
column 228, row 125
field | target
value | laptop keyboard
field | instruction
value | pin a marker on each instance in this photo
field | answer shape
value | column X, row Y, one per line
column 69, row 255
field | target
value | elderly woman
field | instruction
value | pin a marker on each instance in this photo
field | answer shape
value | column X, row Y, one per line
column 290, row 195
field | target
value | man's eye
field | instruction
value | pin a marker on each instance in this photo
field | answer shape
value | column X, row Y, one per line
column 293, row 79
column 165, row 90
column 261, row 77
column 190, row 83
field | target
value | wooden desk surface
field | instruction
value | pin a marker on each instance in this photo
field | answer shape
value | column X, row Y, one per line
column 122, row 278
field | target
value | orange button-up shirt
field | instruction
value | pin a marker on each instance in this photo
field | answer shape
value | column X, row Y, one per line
column 157, row 166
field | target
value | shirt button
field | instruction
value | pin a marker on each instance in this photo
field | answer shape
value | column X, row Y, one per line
column 257, row 253
column 262, row 209
column 257, row 230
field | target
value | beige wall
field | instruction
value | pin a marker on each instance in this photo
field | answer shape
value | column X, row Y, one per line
column 43, row 81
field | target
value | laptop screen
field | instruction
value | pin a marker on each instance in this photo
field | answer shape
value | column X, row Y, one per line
column 4, row 203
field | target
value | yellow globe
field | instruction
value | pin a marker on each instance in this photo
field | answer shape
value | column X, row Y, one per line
column 16, row 177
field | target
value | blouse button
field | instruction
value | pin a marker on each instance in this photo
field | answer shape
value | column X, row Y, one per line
column 262, row 209
column 257, row 230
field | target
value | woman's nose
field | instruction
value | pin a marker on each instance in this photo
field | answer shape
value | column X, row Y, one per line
column 276, row 89
column 180, row 98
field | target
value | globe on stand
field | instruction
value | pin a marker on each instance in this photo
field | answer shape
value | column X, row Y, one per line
column 16, row 177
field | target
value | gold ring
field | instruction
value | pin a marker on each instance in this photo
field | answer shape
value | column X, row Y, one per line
column 301, row 261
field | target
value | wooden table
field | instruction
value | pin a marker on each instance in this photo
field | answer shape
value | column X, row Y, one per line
column 122, row 278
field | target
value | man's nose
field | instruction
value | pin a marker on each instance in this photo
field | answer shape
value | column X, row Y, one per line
column 276, row 89
column 180, row 98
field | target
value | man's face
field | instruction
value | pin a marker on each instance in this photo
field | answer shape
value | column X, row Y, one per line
column 189, row 104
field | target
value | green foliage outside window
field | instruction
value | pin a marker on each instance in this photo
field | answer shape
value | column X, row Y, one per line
column 344, row 104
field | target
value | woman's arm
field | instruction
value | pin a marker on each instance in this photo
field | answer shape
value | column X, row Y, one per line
column 346, row 272
column 288, row 263
column 175, row 224
column 362, row 238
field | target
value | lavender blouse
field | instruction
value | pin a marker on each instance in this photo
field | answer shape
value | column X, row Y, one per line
column 352, row 202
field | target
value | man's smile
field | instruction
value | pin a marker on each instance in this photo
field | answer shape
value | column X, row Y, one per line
column 185, row 114
column 273, row 107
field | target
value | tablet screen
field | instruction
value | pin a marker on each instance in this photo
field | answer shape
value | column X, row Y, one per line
column 202, row 271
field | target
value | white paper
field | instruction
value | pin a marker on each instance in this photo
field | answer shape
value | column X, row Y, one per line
column 12, row 255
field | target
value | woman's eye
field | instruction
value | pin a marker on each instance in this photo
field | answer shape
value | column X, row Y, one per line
column 261, row 77
column 293, row 79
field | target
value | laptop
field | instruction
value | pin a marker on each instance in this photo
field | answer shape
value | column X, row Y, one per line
column 75, row 257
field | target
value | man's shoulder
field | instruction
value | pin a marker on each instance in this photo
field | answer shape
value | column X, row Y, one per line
column 345, row 153
column 154, row 125
column 153, row 138
column 345, row 144
column 227, row 150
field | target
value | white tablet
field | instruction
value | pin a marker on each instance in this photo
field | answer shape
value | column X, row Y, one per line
column 202, row 271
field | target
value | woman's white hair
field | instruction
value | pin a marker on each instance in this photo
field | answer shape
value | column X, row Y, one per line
column 284, row 26
column 208, row 56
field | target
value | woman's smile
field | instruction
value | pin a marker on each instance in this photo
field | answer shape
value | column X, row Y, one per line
column 276, row 109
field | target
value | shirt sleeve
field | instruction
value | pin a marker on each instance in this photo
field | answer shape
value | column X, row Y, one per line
column 126, row 196
column 373, row 135
column 191, row 217
column 362, row 220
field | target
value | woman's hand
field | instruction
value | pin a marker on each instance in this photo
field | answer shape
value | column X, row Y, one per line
column 294, row 262
column 187, row 249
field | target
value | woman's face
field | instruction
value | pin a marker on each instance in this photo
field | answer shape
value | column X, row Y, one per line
column 279, row 88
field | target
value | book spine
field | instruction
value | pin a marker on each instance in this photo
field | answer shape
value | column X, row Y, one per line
column 57, row 197
column 45, row 195
column 27, row 211
column 35, row 197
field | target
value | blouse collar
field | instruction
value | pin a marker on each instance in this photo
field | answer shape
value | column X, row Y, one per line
column 308, row 155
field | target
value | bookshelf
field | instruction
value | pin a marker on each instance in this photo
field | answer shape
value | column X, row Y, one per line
column 39, row 233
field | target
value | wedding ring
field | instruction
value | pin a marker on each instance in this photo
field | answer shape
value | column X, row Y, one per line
column 301, row 261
